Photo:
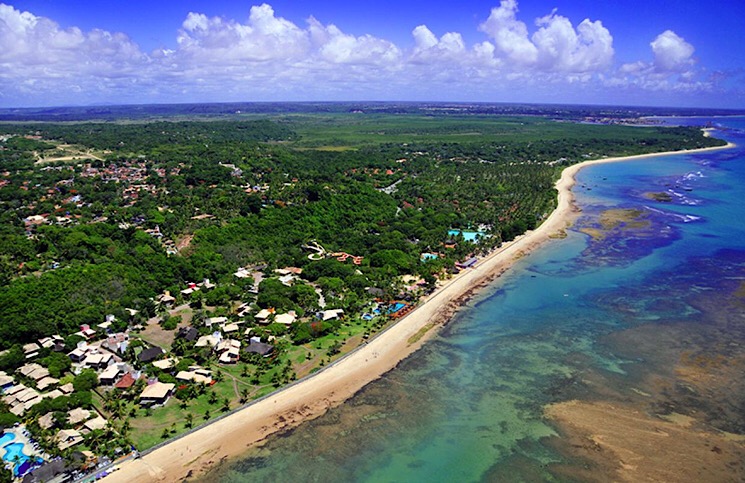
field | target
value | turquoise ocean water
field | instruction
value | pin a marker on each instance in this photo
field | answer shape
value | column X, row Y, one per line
column 469, row 405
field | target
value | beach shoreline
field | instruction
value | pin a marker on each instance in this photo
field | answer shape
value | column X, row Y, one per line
column 203, row 450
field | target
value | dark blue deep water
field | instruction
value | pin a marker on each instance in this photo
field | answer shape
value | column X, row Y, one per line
column 575, row 320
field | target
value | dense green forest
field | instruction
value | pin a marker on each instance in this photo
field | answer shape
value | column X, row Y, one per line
column 362, row 184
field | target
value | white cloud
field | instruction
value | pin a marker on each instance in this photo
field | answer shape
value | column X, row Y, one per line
column 510, row 35
column 335, row 46
column 265, row 37
column 672, row 68
column 41, row 60
column 671, row 52
column 37, row 43
column 562, row 48
column 267, row 57
column 429, row 49
column 555, row 47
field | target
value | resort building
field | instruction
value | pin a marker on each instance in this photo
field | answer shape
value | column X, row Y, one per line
column 286, row 319
column 110, row 375
column 231, row 328
column 6, row 381
column 33, row 371
column 209, row 340
column 67, row 438
column 94, row 424
column 46, row 383
column 31, row 350
column 189, row 333
column 331, row 314
column 263, row 316
column 467, row 263
column 257, row 347
column 150, row 354
column 47, row 421
column 193, row 376
column 125, row 382
column 97, row 361
column 210, row 321
column 21, row 398
column 54, row 342
column 67, row 388
column 86, row 332
column 165, row 299
column 156, row 394
column 165, row 364
column 77, row 416
column 229, row 351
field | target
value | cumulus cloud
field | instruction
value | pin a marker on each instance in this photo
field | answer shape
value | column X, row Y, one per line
column 335, row 46
column 671, row 52
column 38, row 58
column 266, row 56
column 555, row 46
column 510, row 35
column 428, row 48
column 37, row 42
column 265, row 37
column 561, row 47
column 672, row 68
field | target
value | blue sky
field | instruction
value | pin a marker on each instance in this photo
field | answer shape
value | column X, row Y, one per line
column 662, row 52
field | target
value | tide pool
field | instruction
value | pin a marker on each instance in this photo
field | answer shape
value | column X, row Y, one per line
column 638, row 293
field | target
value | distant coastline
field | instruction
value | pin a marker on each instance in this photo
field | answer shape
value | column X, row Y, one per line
column 203, row 450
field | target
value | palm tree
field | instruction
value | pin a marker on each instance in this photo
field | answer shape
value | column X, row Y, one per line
column 189, row 420
column 126, row 426
column 244, row 395
column 225, row 405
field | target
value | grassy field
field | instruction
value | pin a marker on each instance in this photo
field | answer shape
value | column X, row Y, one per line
column 344, row 131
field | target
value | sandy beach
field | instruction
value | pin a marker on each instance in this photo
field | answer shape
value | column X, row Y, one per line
column 204, row 449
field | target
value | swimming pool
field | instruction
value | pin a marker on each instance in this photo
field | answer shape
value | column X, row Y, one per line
column 469, row 236
column 6, row 438
column 396, row 307
column 13, row 453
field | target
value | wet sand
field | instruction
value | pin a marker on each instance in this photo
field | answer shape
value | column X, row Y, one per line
column 676, row 416
column 621, row 443
column 200, row 451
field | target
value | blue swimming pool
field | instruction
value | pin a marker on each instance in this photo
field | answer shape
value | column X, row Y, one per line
column 14, row 453
column 396, row 307
column 6, row 438
column 469, row 236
